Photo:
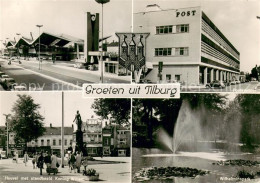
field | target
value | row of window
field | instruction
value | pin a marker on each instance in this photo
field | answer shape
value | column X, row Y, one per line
column 54, row 142
column 181, row 51
column 169, row 29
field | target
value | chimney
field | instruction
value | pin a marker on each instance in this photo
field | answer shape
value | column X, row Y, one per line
column 50, row 125
column 31, row 35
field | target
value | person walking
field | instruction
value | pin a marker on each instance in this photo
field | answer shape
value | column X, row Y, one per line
column 78, row 161
column 16, row 156
column 72, row 162
column 47, row 160
column 25, row 158
column 40, row 162
column 34, row 160
column 54, row 161
column 85, row 163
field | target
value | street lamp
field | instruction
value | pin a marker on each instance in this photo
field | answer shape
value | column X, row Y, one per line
column 102, row 2
column 18, row 34
column 7, row 133
column 39, row 45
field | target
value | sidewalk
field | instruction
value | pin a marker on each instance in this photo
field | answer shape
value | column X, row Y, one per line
column 110, row 173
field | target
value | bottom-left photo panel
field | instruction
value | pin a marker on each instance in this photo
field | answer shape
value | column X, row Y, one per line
column 63, row 137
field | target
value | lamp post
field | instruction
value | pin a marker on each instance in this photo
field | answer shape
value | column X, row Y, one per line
column 39, row 26
column 102, row 2
column 7, row 133
column 18, row 34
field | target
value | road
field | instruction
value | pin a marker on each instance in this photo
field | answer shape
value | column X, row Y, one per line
column 58, row 76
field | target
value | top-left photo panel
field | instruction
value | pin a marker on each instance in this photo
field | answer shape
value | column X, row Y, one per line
column 60, row 45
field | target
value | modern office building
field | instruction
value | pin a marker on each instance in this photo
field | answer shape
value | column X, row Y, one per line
column 190, row 47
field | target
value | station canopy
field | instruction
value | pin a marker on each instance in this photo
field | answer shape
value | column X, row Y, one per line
column 23, row 41
column 57, row 40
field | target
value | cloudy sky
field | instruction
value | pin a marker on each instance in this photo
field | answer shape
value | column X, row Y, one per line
column 51, row 106
column 235, row 18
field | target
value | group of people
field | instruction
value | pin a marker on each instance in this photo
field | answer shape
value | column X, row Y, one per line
column 39, row 159
column 75, row 160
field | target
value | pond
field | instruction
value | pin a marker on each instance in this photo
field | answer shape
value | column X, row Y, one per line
column 153, row 157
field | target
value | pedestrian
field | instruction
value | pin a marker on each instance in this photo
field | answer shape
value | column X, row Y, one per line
column 47, row 160
column 85, row 163
column 33, row 161
column 25, row 158
column 54, row 161
column 72, row 162
column 36, row 159
column 40, row 162
column 78, row 161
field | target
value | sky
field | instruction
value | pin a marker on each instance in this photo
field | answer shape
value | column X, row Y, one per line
column 61, row 16
column 235, row 18
column 51, row 106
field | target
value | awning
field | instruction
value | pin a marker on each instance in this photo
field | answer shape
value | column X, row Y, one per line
column 94, row 145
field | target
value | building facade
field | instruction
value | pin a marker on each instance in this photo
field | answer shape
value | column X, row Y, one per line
column 92, row 136
column 51, row 140
column 192, row 49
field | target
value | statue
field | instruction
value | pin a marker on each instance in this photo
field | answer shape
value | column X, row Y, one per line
column 78, row 120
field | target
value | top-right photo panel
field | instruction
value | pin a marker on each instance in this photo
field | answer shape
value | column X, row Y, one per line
column 206, row 46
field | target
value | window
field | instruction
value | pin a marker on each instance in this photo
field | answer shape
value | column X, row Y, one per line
column 168, row 77
column 177, row 77
column 65, row 143
column 42, row 142
column 163, row 51
column 182, row 51
column 164, row 29
column 59, row 142
column 48, row 142
column 182, row 28
column 54, row 142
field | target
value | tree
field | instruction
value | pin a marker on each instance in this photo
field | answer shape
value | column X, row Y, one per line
column 254, row 72
column 250, row 107
column 26, row 121
column 118, row 109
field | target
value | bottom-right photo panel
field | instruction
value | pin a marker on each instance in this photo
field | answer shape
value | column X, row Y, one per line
column 209, row 137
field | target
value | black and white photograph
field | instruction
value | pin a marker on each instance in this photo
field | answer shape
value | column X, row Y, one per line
column 211, row 137
column 206, row 46
column 60, row 45
column 62, row 137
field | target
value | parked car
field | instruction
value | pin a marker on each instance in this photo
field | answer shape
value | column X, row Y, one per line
column 1, row 73
column 233, row 82
column 227, row 83
column 238, row 82
column 215, row 84
column 3, row 78
column 8, row 82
